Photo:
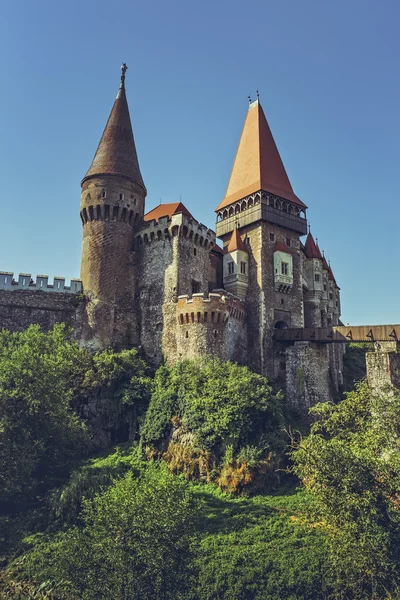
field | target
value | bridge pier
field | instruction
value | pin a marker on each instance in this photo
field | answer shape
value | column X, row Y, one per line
column 383, row 367
column 308, row 377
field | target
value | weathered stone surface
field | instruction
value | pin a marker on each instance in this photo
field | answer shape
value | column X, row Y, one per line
column 383, row 367
column 21, row 308
column 307, row 375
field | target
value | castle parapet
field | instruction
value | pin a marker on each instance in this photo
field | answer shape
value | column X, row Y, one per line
column 176, row 225
column 214, row 308
column 25, row 282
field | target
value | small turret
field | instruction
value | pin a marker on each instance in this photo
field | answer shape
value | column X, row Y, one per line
column 236, row 266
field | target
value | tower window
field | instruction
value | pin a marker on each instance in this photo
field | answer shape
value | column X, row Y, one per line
column 288, row 242
column 316, row 277
column 272, row 237
column 103, row 194
column 331, row 296
column 231, row 268
column 121, row 196
column 248, row 240
column 243, row 268
column 195, row 251
column 285, row 268
column 195, row 286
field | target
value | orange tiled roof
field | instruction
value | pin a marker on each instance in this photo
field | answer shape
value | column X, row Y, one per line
column 311, row 249
column 236, row 242
column 167, row 210
column 257, row 165
column 116, row 152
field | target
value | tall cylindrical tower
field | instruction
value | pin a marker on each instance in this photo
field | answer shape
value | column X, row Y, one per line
column 112, row 205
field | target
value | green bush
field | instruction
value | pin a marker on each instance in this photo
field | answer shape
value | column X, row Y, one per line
column 220, row 403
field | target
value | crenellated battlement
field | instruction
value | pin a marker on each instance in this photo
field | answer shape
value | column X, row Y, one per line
column 25, row 282
column 180, row 225
column 214, row 308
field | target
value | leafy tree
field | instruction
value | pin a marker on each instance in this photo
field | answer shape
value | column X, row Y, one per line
column 220, row 402
column 38, row 430
column 135, row 542
column 350, row 463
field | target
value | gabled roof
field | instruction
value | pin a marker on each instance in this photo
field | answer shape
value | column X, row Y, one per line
column 235, row 243
column 167, row 210
column 257, row 165
column 116, row 152
column 311, row 249
column 281, row 247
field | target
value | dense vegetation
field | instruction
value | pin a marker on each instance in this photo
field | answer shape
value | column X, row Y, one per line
column 207, row 498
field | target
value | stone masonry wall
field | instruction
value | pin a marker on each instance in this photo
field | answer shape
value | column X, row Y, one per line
column 173, row 255
column 21, row 308
column 307, row 375
column 266, row 306
column 213, row 325
column 383, row 367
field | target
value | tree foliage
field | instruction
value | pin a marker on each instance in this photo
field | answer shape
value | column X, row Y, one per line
column 38, row 429
column 135, row 543
column 350, row 463
column 220, row 402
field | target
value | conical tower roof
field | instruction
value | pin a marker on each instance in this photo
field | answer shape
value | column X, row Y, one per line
column 116, row 152
column 257, row 165
column 311, row 249
column 236, row 242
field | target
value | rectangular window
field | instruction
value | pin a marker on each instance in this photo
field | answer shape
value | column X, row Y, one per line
column 330, row 296
column 195, row 286
column 285, row 268
column 272, row 237
column 248, row 241
column 243, row 268
column 231, row 268
column 316, row 276
column 288, row 242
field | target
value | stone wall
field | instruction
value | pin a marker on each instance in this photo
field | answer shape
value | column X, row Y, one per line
column 213, row 325
column 266, row 304
column 111, row 208
column 173, row 256
column 307, row 375
column 21, row 308
column 383, row 367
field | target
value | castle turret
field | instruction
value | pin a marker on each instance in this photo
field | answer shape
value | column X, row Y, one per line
column 236, row 266
column 112, row 204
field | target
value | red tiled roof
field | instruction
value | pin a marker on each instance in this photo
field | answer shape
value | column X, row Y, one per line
column 217, row 249
column 281, row 247
column 311, row 249
column 235, row 243
column 257, row 165
column 116, row 152
column 167, row 210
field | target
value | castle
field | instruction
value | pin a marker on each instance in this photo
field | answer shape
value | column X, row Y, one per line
column 158, row 279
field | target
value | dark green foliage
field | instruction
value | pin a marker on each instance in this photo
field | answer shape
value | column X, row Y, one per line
column 114, row 395
column 218, row 402
column 90, row 478
column 350, row 463
column 135, row 543
column 38, row 430
column 58, row 402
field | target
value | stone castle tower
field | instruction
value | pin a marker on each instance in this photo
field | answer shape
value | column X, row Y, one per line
column 112, row 205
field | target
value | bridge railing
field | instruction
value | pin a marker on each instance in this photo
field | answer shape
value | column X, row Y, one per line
column 345, row 334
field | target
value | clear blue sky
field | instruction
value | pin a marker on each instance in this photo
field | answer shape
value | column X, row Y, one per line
column 329, row 80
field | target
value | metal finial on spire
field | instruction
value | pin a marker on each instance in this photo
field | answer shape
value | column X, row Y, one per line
column 309, row 228
column 249, row 98
column 258, row 94
column 124, row 69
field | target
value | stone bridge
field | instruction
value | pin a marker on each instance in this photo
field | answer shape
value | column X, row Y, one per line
column 314, row 359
